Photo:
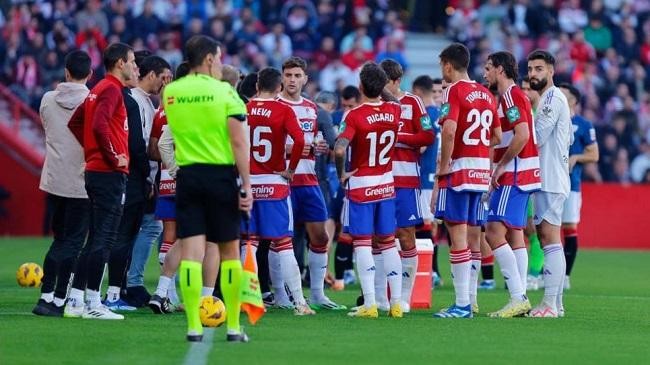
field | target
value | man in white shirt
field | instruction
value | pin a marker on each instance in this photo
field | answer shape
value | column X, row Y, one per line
column 154, row 73
column 553, row 137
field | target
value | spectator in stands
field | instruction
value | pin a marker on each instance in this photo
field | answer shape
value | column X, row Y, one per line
column 334, row 74
column 92, row 17
column 572, row 17
column 276, row 44
column 62, row 179
column 641, row 164
column 357, row 55
column 598, row 35
column 148, row 22
column 119, row 31
column 393, row 52
column 325, row 54
column 358, row 37
column 170, row 52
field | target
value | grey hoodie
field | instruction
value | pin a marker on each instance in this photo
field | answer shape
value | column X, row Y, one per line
column 63, row 171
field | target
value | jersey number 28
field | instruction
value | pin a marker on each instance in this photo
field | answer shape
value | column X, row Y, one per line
column 386, row 140
column 481, row 120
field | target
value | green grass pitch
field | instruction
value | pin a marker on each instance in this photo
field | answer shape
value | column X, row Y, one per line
column 607, row 322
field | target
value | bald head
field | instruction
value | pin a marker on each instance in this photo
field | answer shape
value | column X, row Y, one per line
column 230, row 75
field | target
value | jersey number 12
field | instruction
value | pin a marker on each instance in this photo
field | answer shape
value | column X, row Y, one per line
column 386, row 140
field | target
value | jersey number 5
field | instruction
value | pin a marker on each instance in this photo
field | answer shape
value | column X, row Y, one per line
column 262, row 152
column 481, row 120
column 386, row 140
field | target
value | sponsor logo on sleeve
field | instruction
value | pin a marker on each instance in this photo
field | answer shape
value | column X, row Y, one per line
column 444, row 110
column 513, row 114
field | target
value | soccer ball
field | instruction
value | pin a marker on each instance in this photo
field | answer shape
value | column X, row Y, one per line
column 212, row 311
column 29, row 274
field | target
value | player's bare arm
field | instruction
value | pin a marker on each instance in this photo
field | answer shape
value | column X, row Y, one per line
column 340, row 146
column 240, row 149
column 590, row 154
column 519, row 140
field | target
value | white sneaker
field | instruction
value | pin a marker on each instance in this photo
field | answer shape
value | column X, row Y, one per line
column 532, row 283
column 406, row 307
column 100, row 312
column 383, row 306
column 73, row 311
column 567, row 284
column 543, row 311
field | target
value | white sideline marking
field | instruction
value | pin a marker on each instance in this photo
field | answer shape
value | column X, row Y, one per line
column 198, row 352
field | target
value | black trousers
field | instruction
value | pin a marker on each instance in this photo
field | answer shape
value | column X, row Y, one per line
column 106, row 193
column 70, row 227
column 120, row 257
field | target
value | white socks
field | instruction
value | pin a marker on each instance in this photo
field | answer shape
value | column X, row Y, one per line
column 275, row 273
column 508, row 264
column 554, row 271
column 164, row 284
column 475, row 269
column 317, row 272
column 521, row 255
column 381, row 283
column 76, row 297
column 206, row 291
column 409, row 263
column 393, row 271
column 460, row 273
column 93, row 298
column 291, row 275
column 48, row 297
column 113, row 294
column 366, row 272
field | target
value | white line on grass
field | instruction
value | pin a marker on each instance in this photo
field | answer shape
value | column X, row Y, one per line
column 199, row 351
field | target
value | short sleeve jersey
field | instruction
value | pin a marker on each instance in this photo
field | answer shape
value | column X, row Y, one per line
column 413, row 120
column 197, row 108
column 523, row 170
column 474, row 109
column 270, row 123
column 371, row 129
column 584, row 135
column 306, row 111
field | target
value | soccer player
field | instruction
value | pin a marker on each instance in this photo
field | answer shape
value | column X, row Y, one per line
column 536, row 255
column 515, row 177
column 430, row 92
column 270, row 123
column 370, row 130
column 583, row 150
column 205, row 116
column 415, row 132
column 306, row 197
column 63, row 182
column 100, row 125
column 554, row 137
column 469, row 127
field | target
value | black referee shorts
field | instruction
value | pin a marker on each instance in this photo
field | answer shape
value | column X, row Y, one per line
column 207, row 202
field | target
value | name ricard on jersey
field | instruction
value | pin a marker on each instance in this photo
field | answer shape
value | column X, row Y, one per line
column 380, row 117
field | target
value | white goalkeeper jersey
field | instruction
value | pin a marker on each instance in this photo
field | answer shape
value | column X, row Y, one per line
column 554, row 137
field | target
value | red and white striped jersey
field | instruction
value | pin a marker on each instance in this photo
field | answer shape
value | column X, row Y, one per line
column 306, row 111
column 523, row 170
column 414, row 132
column 372, row 130
column 270, row 124
column 474, row 109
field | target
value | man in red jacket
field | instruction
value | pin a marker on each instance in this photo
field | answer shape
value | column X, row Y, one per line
column 100, row 125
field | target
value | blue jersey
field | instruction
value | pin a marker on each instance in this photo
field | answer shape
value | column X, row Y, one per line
column 584, row 134
column 429, row 159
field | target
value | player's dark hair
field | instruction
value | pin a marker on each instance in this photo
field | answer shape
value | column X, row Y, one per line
column 140, row 56
column 423, row 82
column 155, row 64
column 350, row 92
column 540, row 54
column 437, row 81
column 115, row 52
column 182, row 70
column 78, row 64
column 457, row 55
column 269, row 79
column 507, row 61
column 392, row 69
column 572, row 90
column 198, row 48
column 293, row 62
column 246, row 87
column 373, row 79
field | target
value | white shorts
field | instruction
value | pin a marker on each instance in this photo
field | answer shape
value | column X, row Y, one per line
column 425, row 204
column 548, row 207
column 572, row 205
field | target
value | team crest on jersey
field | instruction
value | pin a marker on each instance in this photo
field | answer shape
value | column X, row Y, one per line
column 425, row 121
column 513, row 114
column 546, row 110
column 444, row 110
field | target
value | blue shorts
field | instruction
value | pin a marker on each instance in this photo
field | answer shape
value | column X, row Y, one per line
column 407, row 207
column 270, row 219
column 482, row 213
column 460, row 207
column 308, row 204
column 166, row 208
column 508, row 205
column 364, row 220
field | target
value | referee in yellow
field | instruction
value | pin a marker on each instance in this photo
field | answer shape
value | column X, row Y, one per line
column 206, row 119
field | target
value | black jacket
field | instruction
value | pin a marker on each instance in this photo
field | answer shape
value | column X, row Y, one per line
column 137, row 187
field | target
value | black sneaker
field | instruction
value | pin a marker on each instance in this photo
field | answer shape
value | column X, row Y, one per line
column 194, row 338
column 56, row 311
column 42, row 308
column 157, row 304
column 137, row 296
column 269, row 299
column 240, row 337
column 167, row 306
